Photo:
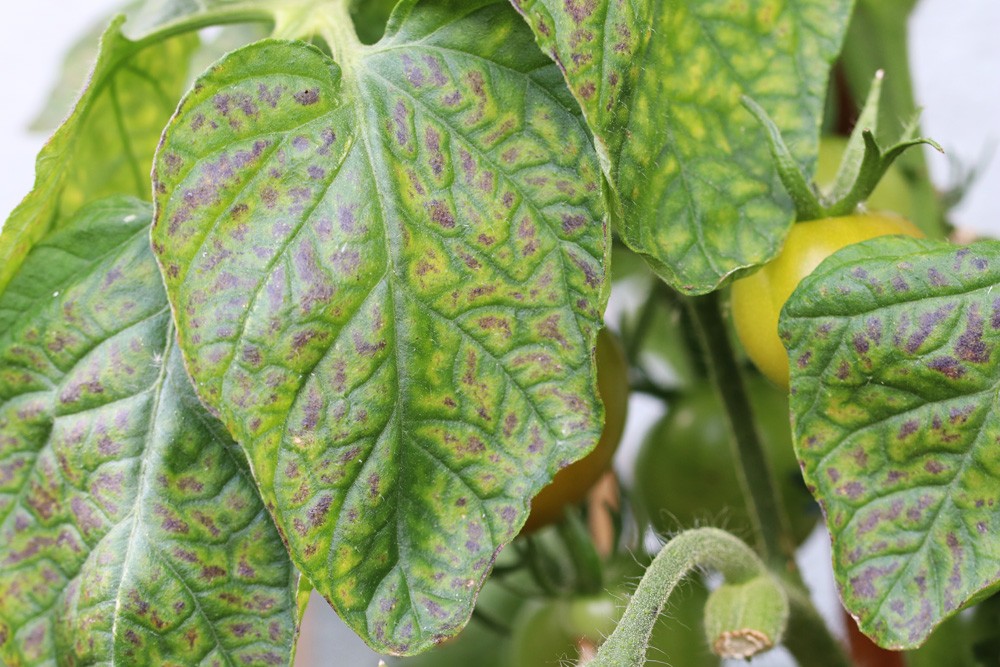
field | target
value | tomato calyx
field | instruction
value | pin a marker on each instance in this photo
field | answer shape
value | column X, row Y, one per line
column 864, row 164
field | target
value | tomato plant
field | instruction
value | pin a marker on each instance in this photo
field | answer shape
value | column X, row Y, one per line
column 757, row 299
column 892, row 195
column 554, row 631
column 310, row 302
column 570, row 485
column 686, row 475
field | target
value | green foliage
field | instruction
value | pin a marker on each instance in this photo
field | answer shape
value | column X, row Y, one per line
column 106, row 144
column 387, row 277
column 130, row 529
column 894, row 350
column 698, row 193
column 379, row 256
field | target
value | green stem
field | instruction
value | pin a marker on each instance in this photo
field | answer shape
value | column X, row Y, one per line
column 807, row 638
column 767, row 515
column 637, row 333
column 646, row 386
column 335, row 25
column 589, row 573
column 206, row 19
column 698, row 548
column 807, row 206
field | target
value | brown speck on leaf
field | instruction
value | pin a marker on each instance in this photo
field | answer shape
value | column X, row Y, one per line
column 579, row 10
column 365, row 348
column 926, row 325
column 934, row 467
column 908, row 429
column 947, row 366
column 307, row 97
column 853, row 490
column 318, row 513
column 414, row 75
column 440, row 214
column 269, row 196
column 864, row 585
column 970, row 346
column 571, row 223
column 399, row 116
column 478, row 86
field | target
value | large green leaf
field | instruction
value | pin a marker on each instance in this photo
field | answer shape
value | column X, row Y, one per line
column 660, row 84
column 895, row 360
column 130, row 528
column 388, row 277
column 106, row 145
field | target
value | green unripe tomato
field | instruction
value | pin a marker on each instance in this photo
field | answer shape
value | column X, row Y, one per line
column 758, row 298
column 551, row 632
column 685, row 473
column 571, row 484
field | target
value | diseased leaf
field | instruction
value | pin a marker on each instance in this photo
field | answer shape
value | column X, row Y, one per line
column 76, row 65
column 388, row 280
column 148, row 16
column 130, row 529
column 106, row 145
column 895, row 362
column 286, row 17
column 660, row 84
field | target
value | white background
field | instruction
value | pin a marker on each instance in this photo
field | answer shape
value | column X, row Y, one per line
column 956, row 60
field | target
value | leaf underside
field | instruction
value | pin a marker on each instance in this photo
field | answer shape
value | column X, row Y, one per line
column 130, row 528
column 894, row 347
column 660, row 84
column 388, row 280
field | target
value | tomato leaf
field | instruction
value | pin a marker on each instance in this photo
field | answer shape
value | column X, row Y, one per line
column 130, row 529
column 106, row 145
column 895, row 363
column 660, row 85
column 388, row 276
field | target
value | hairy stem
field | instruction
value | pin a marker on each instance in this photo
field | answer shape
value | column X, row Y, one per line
column 698, row 548
column 767, row 515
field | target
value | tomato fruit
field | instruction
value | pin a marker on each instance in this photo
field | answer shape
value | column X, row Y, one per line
column 551, row 632
column 757, row 299
column 570, row 485
column 685, row 473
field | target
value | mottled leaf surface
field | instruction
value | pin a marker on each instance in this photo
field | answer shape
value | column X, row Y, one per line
column 388, row 279
column 130, row 529
column 106, row 144
column 660, row 84
column 895, row 368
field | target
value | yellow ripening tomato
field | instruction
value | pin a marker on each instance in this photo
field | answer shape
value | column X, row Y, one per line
column 570, row 485
column 757, row 299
